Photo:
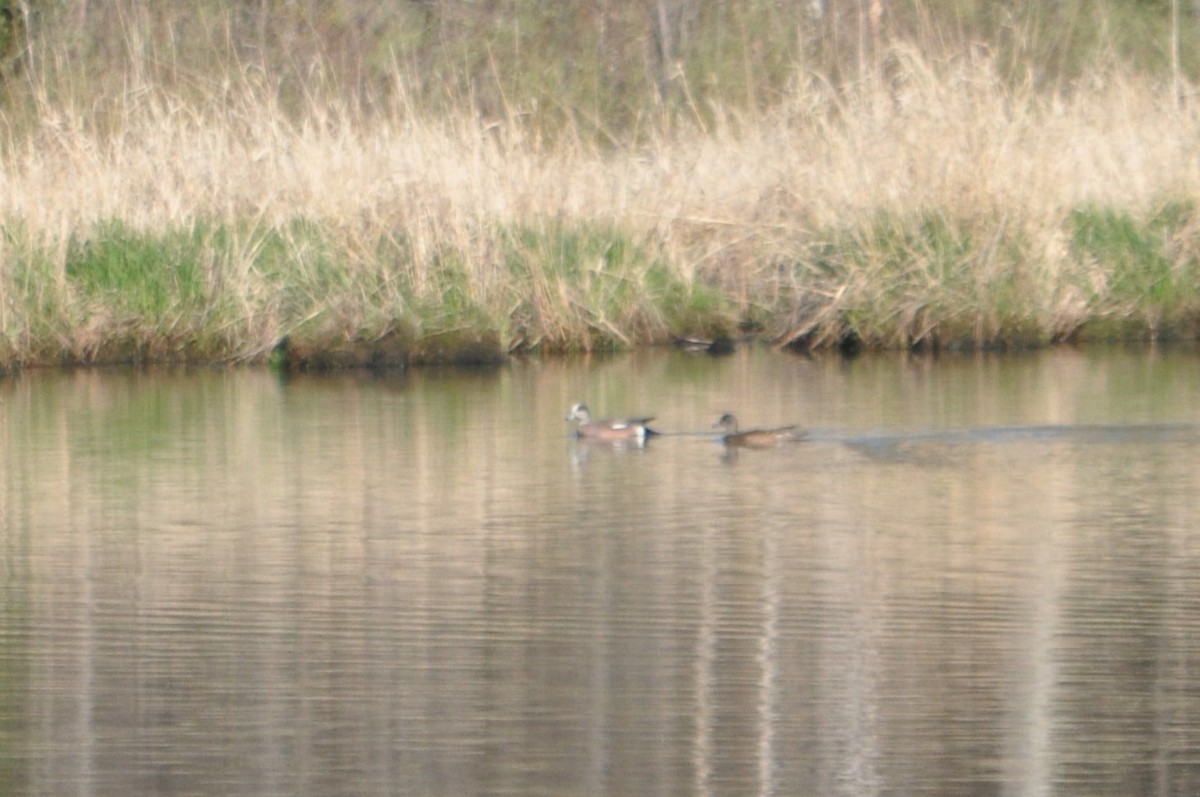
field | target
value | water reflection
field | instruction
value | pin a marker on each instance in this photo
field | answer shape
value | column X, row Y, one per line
column 976, row 576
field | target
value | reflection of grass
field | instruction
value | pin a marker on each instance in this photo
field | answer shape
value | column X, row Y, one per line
column 929, row 202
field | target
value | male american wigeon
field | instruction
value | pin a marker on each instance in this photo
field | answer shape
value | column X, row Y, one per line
column 756, row 438
column 615, row 429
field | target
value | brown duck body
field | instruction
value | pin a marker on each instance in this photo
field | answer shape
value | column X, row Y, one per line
column 756, row 438
column 611, row 429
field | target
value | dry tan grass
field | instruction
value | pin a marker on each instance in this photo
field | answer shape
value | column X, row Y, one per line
column 728, row 202
column 939, row 136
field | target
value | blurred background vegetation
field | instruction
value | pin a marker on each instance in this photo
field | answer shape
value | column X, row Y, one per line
column 601, row 69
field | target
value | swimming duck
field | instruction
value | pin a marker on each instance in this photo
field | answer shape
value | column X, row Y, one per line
column 614, row 430
column 756, row 438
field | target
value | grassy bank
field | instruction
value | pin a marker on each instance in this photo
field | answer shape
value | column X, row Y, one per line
column 221, row 292
column 934, row 202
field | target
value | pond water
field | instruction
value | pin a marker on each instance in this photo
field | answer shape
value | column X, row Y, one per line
column 979, row 575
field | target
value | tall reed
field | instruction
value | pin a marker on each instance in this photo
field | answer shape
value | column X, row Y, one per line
column 933, row 201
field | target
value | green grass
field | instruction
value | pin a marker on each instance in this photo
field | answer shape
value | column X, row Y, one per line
column 920, row 280
column 154, row 279
column 1146, row 277
column 211, row 291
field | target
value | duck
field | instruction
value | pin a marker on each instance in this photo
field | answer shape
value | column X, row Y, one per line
column 756, row 438
column 614, row 430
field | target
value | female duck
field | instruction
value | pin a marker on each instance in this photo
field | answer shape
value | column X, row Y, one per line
column 616, row 429
column 756, row 438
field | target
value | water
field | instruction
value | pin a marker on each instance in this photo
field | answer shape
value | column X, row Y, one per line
column 979, row 576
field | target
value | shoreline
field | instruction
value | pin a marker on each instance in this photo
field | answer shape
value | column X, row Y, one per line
column 472, row 350
column 350, row 361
